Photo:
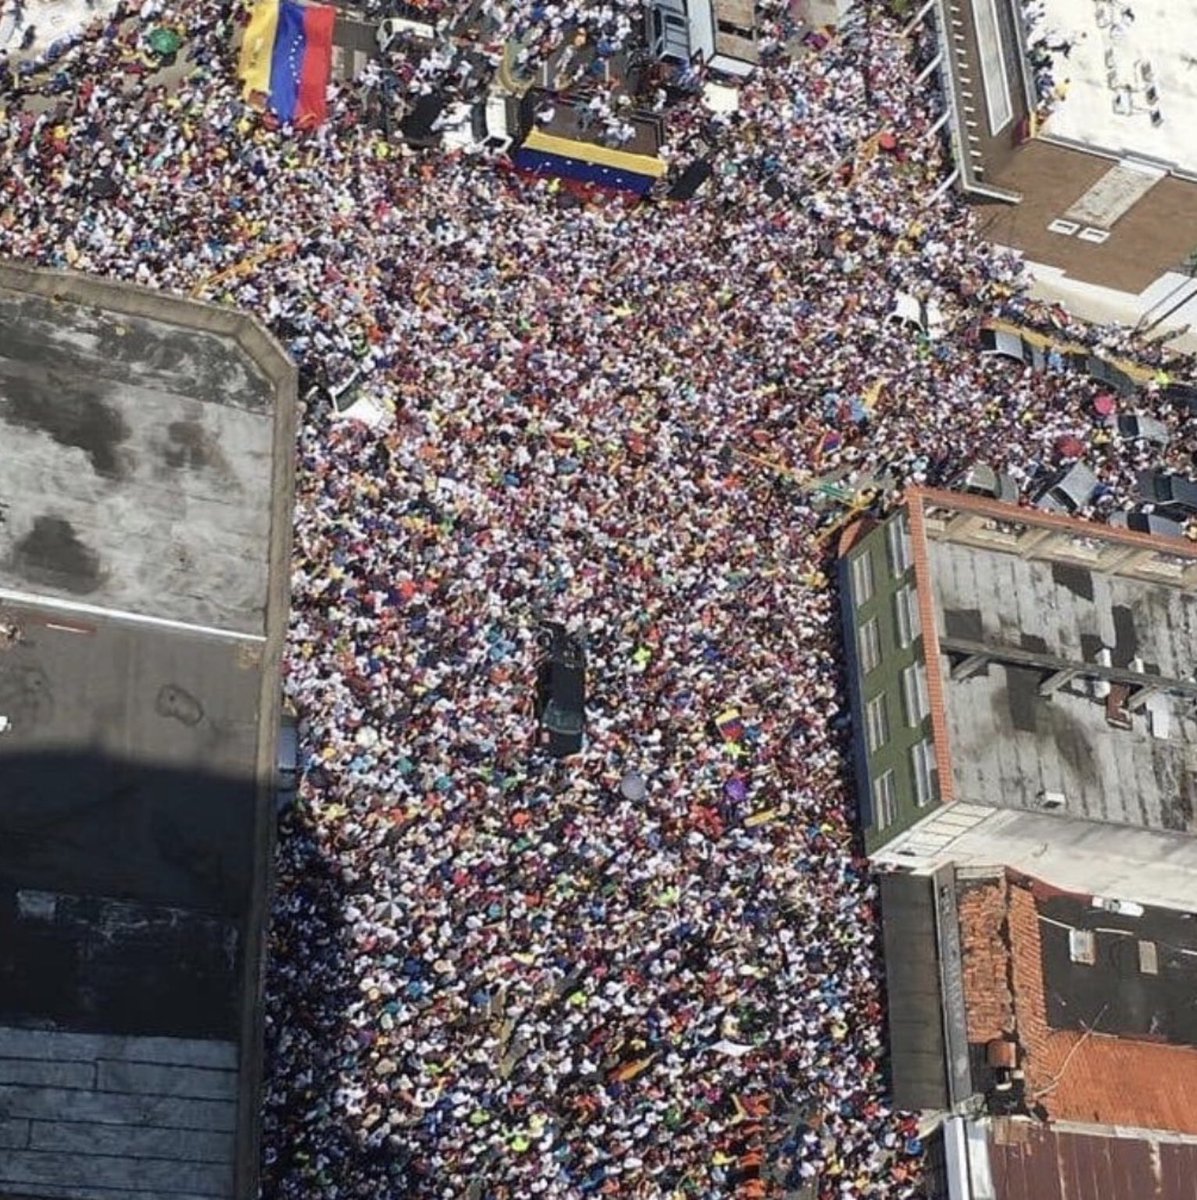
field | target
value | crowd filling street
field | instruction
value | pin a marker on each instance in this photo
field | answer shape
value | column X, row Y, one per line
column 650, row 970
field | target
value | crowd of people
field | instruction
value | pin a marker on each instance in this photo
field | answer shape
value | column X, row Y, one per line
column 650, row 970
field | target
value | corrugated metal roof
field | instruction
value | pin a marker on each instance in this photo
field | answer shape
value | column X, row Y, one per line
column 1031, row 1162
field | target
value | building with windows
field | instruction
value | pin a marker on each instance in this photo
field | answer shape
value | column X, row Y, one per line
column 146, row 484
column 1023, row 691
column 886, row 654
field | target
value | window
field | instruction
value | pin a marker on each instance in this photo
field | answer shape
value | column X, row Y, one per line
column 897, row 538
column 862, row 578
column 922, row 761
column 914, row 694
column 885, row 804
column 906, row 615
column 870, row 646
column 876, row 723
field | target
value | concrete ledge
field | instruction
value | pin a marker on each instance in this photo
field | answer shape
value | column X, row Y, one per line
column 71, row 287
column 178, row 1145
column 45, row 1044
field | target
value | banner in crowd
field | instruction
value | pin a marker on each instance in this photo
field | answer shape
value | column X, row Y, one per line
column 287, row 58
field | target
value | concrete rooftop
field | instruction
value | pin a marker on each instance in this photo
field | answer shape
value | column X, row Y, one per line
column 146, row 482
column 1114, row 60
column 128, row 760
column 137, row 465
column 1009, row 744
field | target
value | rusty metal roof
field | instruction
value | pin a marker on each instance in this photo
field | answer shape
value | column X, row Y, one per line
column 1032, row 1162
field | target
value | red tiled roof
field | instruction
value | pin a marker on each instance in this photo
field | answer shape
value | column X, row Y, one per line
column 989, row 1006
column 1077, row 1076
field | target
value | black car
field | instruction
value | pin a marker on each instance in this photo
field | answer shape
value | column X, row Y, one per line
column 1173, row 495
column 1183, row 393
column 561, row 691
column 1152, row 523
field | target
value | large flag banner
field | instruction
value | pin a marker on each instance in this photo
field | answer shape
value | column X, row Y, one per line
column 287, row 57
column 254, row 67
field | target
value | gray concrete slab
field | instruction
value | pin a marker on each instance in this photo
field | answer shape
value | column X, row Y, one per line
column 47, row 1074
column 137, row 469
column 78, row 1047
column 103, row 1108
column 14, row 1134
column 150, row 1079
column 51, row 1191
column 181, row 1145
column 30, row 1168
column 1010, row 745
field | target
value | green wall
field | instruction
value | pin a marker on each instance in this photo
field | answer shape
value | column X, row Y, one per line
column 885, row 679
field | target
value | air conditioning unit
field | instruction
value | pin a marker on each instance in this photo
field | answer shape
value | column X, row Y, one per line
column 1051, row 800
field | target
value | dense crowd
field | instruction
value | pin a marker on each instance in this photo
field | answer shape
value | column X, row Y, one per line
column 651, row 970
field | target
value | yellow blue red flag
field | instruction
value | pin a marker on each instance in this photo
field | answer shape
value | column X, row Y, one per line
column 287, row 57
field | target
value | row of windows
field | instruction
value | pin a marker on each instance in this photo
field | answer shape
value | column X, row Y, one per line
column 909, row 625
column 897, row 544
column 915, row 706
column 885, row 790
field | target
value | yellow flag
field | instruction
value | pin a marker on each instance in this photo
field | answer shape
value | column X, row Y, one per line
column 258, row 48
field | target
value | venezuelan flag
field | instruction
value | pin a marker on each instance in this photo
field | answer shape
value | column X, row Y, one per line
column 287, row 57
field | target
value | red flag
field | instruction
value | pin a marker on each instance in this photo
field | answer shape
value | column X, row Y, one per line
column 312, row 105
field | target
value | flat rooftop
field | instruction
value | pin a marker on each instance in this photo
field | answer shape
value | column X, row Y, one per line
column 1127, row 60
column 145, row 516
column 137, row 465
column 1099, row 1003
column 1012, row 745
column 175, row 719
column 1142, row 243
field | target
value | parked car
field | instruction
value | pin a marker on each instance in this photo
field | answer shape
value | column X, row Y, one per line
column 982, row 480
column 561, row 691
column 1070, row 491
column 1142, row 429
column 1173, row 495
column 1005, row 344
column 1152, row 523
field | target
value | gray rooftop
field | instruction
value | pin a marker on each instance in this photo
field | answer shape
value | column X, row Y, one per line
column 137, row 465
column 128, row 760
column 1011, row 744
column 146, row 480
column 116, row 1118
